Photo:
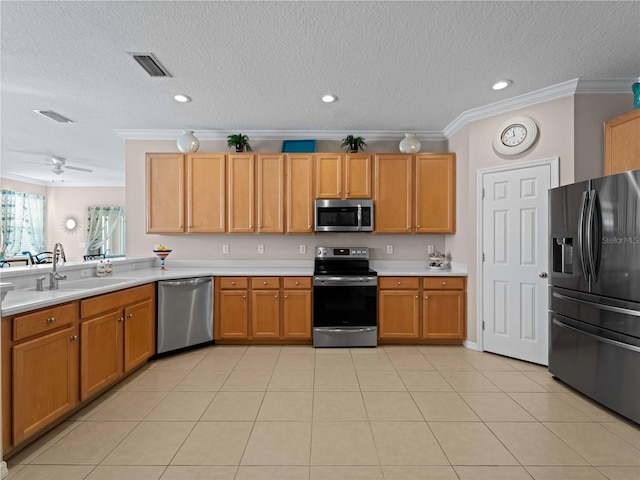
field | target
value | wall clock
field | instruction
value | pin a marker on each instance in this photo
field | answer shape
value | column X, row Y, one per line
column 515, row 135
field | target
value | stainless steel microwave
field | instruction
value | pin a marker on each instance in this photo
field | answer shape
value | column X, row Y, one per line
column 344, row 215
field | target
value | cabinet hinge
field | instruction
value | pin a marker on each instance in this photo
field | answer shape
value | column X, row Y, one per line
column 483, row 193
column 482, row 324
column 483, row 257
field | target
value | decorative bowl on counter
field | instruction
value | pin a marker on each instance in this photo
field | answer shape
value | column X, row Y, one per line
column 437, row 261
column 162, row 253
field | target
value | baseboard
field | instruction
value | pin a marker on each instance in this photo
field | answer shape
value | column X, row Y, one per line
column 470, row 345
column 4, row 471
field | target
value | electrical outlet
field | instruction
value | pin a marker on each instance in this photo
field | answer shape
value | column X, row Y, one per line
column 303, row 249
column 225, row 249
column 137, row 266
column 85, row 273
column 260, row 249
column 431, row 249
column 82, row 245
column 389, row 249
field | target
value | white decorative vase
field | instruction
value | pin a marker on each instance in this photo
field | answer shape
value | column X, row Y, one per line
column 410, row 144
column 187, row 142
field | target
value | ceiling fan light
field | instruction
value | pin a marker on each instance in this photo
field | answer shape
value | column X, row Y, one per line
column 501, row 84
column 57, row 169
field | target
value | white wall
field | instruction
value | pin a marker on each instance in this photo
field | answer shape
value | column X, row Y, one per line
column 244, row 246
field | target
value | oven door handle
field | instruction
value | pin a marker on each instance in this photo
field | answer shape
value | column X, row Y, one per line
column 348, row 330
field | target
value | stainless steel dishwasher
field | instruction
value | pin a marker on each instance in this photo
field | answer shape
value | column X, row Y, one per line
column 185, row 313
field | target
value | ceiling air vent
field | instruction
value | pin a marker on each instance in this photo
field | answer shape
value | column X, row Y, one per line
column 150, row 64
column 53, row 116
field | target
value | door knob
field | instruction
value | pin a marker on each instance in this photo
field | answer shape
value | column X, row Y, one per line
column 543, row 275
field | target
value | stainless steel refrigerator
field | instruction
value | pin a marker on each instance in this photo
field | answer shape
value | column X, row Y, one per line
column 594, row 340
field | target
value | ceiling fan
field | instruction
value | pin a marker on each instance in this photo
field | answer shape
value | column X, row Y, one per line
column 57, row 164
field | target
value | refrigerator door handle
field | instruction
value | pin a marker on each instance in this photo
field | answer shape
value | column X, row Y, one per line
column 601, row 306
column 591, row 253
column 626, row 346
column 581, row 247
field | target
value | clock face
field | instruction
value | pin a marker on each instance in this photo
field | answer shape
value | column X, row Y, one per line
column 514, row 135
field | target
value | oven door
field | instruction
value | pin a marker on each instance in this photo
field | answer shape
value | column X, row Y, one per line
column 345, row 301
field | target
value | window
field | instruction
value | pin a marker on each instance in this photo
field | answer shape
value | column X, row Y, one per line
column 23, row 226
column 105, row 231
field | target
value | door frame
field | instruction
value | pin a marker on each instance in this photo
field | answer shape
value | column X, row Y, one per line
column 554, row 166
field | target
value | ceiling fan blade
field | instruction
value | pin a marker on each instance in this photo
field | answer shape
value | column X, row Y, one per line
column 78, row 168
column 37, row 163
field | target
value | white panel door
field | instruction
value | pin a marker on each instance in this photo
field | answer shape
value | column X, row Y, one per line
column 514, row 243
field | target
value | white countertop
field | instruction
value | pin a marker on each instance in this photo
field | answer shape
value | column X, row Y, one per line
column 134, row 272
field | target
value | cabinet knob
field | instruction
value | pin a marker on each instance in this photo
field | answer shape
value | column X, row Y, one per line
column 426, row 297
column 286, row 296
column 73, row 337
column 264, row 283
column 121, row 319
column 244, row 297
column 275, row 296
column 129, row 315
column 416, row 297
column 417, row 226
column 444, row 283
column 51, row 320
column 297, row 283
column 348, row 192
column 408, row 227
column 233, row 283
column 399, row 283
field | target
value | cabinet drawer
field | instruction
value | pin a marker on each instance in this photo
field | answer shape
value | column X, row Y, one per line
column 111, row 301
column 443, row 283
column 265, row 282
column 234, row 283
column 42, row 321
column 297, row 282
column 398, row 283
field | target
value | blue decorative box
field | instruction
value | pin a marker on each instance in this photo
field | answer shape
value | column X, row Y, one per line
column 298, row 146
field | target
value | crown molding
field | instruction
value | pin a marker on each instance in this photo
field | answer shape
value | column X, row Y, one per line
column 20, row 178
column 576, row 86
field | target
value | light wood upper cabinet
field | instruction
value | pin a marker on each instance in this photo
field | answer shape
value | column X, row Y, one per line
column 299, row 191
column 435, row 205
column 393, row 193
column 191, row 187
column 270, row 193
column 206, row 193
column 343, row 176
column 622, row 143
column 240, row 192
column 165, row 192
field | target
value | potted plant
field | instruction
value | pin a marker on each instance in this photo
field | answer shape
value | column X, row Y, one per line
column 239, row 141
column 353, row 144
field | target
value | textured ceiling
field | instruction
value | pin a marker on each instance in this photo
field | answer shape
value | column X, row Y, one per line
column 395, row 66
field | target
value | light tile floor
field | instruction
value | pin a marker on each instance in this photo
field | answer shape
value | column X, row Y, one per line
column 298, row 413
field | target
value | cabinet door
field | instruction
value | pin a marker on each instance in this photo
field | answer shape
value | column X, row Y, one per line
column 329, row 175
column 393, row 194
column 296, row 322
column 101, row 359
column 240, row 197
column 139, row 334
column 165, row 193
column 398, row 314
column 234, row 314
column 357, row 176
column 622, row 143
column 270, row 193
column 206, row 193
column 435, row 205
column 265, row 314
column 300, row 193
column 443, row 314
column 45, row 381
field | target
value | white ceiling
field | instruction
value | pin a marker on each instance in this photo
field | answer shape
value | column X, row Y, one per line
column 263, row 66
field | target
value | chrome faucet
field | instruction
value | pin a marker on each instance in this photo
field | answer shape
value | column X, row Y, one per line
column 54, row 276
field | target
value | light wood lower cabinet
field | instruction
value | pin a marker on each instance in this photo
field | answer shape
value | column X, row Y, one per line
column 428, row 308
column 263, row 308
column 39, row 371
column 117, row 335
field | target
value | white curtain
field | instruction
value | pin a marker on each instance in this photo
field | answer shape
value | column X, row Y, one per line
column 22, row 219
column 100, row 224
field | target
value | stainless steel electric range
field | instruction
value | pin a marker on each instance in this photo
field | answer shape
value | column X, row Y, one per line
column 345, row 301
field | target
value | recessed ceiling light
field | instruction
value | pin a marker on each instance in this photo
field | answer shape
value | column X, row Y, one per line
column 501, row 84
column 181, row 98
column 329, row 98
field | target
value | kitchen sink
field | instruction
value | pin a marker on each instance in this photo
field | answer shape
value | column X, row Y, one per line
column 93, row 282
